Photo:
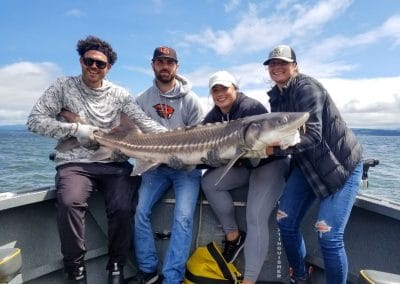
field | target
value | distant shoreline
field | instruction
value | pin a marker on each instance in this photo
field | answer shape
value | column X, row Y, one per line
column 357, row 131
column 376, row 132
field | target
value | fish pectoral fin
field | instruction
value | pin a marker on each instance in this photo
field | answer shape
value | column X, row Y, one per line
column 254, row 158
column 101, row 154
column 141, row 166
column 230, row 165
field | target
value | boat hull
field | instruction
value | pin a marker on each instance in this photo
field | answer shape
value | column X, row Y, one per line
column 28, row 221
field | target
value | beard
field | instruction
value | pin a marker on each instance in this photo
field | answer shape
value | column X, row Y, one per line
column 164, row 77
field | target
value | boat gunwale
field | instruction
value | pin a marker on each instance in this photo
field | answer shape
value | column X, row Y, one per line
column 10, row 200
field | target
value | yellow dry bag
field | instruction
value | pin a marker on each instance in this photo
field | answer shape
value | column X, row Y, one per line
column 207, row 266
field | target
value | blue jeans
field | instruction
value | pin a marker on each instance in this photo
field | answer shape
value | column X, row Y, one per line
column 154, row 185
column 333, row 214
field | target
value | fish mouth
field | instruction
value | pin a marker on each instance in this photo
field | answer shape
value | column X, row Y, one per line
column 300, row 125
column 285, row 128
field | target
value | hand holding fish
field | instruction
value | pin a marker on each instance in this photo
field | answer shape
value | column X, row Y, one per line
column 84, row 133
column 177, row 164
column 285, row 142
column 290, row 140
column 213, row 159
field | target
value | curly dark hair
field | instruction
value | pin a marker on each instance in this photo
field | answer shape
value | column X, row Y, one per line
column 94, row 43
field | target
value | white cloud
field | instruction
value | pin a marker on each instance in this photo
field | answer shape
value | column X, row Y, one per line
column 231, row 5
column 157, row 6
column 247, row 75
column 296, row 23
column 389, row 29
column 255, row 32
column 75, row 13
column 362, row 102
column 321, row 60
column 251, row 34
column 21, row 84
column 369, row 102
column 310, row 18
column 330, row 47
column 366, row 102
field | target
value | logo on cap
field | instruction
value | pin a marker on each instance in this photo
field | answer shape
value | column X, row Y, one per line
column 165, row 52
column 279, row 51
column 164, row 49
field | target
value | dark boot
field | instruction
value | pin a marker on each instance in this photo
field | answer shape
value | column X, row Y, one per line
column 76, row 275
column 116, row 274
column 304, row 280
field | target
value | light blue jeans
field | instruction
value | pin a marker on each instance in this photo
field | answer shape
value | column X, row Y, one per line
column 334, row 212
column 154, row 185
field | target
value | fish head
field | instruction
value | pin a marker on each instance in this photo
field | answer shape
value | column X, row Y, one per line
column 273, row 129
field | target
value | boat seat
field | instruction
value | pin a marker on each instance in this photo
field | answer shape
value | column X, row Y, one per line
column 10, row 263
column 378, row 277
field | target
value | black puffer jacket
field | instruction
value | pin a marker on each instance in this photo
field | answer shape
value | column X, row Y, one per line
column 329, row 151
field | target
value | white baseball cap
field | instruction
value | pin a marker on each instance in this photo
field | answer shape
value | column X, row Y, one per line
column 223, row 78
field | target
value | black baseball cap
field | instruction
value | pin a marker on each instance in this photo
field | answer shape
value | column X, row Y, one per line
column 165, row 52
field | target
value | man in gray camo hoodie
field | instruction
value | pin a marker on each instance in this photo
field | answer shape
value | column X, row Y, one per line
column 98, row 103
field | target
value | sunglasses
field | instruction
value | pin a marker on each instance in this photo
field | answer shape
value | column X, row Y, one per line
column 89, row 62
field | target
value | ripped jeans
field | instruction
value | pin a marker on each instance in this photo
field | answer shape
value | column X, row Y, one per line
column 333, row 214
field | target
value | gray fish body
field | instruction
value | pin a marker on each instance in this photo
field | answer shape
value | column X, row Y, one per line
column 246, row 137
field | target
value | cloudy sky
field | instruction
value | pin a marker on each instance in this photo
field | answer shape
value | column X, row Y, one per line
column 352, row 47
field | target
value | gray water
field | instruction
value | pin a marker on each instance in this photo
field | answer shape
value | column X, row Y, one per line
column 24, row 162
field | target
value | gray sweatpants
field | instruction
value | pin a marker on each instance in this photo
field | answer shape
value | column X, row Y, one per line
column 265, row 185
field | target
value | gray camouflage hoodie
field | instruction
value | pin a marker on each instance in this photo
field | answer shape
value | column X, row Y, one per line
column 98, row 107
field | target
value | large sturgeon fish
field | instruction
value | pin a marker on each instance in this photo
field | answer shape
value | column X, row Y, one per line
column 242, row 138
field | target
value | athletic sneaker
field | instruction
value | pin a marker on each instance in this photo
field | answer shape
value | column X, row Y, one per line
column 233, row 248
column 116, row 274
column 145, row 278
column 77, row 275
column 298, row 281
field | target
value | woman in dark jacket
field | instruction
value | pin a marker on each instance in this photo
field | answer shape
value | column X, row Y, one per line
column 326, row 165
